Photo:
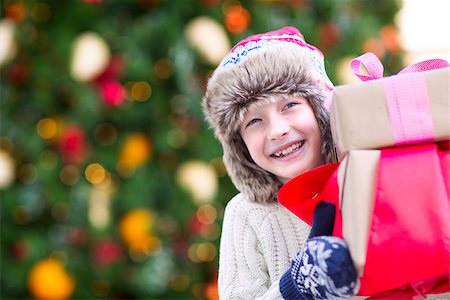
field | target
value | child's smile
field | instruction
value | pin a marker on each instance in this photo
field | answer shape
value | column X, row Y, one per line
column 288, row 151
column 283, row 137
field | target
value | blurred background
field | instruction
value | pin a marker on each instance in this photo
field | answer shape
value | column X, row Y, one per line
column 112, row 186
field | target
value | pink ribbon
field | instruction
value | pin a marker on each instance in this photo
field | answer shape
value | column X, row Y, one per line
column 375, row 68
column 409, row 109
column 372, row 64
column 406, row 97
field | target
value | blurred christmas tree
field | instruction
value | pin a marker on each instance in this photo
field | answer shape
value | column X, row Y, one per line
column 112, row 186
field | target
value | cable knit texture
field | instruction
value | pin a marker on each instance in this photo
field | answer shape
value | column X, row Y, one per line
column 257, row 245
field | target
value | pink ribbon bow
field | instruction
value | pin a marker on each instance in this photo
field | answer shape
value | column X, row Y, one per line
column 406, row 97
column 375, row 69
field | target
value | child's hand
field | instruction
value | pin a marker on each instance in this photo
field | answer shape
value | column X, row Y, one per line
column 323, row 269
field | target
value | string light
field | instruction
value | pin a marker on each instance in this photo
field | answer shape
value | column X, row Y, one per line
column 105, row 134
column 47, row 128
column 390, row 38
column 209, row 38
column 21, row 215
column 202, row 252
column 207, row 214
column 48, row 159
column 41, row 12
column 16, row 11
column 135, row 152
column 237, row 18
column 90, row 56
column 49, row 280
column 27, row 173
column 163, row 68
column 99, row 213
column 8, row 47
column 176, row 138
column 210, row 232
column 7, row 169
column 374, row 45
column 137, row 230
column 141, row 91
column 179, row 282
column 199, row 179
column 69, row 175
column 95, row 173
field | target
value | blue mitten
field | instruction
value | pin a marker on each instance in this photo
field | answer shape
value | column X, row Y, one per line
column 323, row 269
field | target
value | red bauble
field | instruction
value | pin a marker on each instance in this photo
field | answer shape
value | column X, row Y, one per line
column 106, row 252
column 113, row 71
column 20, row 250
column 77, row 237
column 330, row 35
column 18, row 74
column 73, row 145
column 112, row 93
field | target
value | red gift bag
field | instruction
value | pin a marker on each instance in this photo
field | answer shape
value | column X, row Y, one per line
column 410, row 228
column 408, row 244
column 302, row 193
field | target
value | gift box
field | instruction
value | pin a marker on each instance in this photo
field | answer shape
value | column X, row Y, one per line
column 357, row 181
column 396, row 216
column 397, row 110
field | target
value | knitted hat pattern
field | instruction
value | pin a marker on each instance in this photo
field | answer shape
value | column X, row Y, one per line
column 258, row 70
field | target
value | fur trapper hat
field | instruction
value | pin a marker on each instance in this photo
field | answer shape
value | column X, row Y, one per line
column 275, row 64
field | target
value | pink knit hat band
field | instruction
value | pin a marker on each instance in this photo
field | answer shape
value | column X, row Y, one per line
column 287, row 34
column 265, row 41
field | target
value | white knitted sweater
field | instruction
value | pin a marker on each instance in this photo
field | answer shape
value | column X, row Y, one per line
column 257, row 245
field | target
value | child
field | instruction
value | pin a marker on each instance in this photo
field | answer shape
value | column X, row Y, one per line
column 266, row 104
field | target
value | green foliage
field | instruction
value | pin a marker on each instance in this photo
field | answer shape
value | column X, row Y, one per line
column 45, row 213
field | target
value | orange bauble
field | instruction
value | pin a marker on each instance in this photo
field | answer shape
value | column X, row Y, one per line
column 48, row 280
column 135, row 152
column 136, row 229
column 237, row 19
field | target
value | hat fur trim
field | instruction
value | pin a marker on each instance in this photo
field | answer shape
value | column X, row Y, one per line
column 279, row 71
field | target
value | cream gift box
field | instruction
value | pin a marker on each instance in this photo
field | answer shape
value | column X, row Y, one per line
column 396, row 110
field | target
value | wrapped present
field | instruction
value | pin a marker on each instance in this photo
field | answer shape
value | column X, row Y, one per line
column 395, row 214
column 407, row 108
column 357, row 181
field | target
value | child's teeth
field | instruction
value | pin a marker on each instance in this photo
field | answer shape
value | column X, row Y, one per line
column 288, row 150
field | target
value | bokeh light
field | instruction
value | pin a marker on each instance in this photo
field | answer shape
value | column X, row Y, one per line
column 70, row 174
column 49, row 280
column 41, row 12
column 47, row 128
column 90, row 56
column 208, row 37
column 7, row 169
column 199, row 179
column 163, row 68
column 237, row 17
column 8, row 46
column 141, row 91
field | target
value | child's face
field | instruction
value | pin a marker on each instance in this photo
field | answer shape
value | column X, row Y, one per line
column 283, row 137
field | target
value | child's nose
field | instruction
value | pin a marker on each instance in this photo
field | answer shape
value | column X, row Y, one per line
column 278, row 128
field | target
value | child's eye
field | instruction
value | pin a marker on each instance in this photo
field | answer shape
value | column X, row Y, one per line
column 290, row 104
column 251, row 122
